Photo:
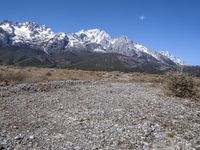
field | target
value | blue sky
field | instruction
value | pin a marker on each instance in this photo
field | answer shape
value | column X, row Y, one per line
column 172, row 25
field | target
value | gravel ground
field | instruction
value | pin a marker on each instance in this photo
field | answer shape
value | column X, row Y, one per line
column 62, row 115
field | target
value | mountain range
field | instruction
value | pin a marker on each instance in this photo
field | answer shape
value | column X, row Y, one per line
column 32, row 44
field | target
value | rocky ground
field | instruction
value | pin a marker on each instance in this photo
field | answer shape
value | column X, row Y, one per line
column 78, row 115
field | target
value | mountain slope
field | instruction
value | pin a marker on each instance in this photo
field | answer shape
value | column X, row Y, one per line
column 90, row 46
column 79, row 60
column 24, row 57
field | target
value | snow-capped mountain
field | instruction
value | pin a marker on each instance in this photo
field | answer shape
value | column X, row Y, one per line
column 162, row 56
column 94, row 36
column 33, row 35
column 41, row 37
column 172, row 57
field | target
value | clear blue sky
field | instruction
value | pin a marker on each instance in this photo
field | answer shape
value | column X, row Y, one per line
column 172, row 25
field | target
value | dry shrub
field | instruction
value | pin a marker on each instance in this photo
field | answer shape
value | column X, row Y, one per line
column 180, row 85
column 8, row 77
column 48, row 74
column 18, row 77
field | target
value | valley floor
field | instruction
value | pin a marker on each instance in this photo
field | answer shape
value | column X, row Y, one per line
column 83, row 114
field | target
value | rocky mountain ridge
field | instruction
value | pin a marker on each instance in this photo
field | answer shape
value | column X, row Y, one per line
column 41, row 37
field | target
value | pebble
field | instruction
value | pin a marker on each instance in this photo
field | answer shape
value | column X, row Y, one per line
column 96, row 115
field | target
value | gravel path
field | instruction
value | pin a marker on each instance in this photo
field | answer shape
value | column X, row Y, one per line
column 62, row 115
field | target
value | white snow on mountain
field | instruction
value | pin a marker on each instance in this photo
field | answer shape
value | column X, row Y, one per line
column 156, row 55
column 172, row 57
column 124, row 46
column 28, row 32
column 74, row 42
column 34, row 35
column 146, row 50
column 6, row 27
column 95, row 36
column 99, row 50
column 42, row 37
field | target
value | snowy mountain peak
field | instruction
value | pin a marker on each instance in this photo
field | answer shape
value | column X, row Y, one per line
column 35, row 35
column 125, row 38
column 94, row 36
column 172, row 57
column 146, row 50
column 27, row 30
column 95, row 40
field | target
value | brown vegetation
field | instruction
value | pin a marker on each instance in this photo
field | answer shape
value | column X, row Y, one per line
column 34, row 74
column 11, row 75
column 181, row 85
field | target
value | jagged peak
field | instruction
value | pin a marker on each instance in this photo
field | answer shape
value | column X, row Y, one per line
column 172, row 57
column 94, row 32
column 33, row 33
column 124, row 38
column 6, row 22
column 94, row 36
column 28, row 24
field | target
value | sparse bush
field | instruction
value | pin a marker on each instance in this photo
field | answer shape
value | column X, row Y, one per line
column 180, row 85
column 8, row 77
column 17, row 77
column 48, row 74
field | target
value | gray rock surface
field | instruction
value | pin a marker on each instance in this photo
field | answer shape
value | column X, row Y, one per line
column 96, row 115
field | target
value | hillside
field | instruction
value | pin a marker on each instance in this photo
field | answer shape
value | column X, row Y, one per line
column 31, row 44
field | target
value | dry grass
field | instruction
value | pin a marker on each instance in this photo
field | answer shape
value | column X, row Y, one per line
column 34, row 74
column 10, row 74
column 13, row 75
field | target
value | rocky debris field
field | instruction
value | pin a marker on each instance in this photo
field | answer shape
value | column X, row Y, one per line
column 65, row 115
